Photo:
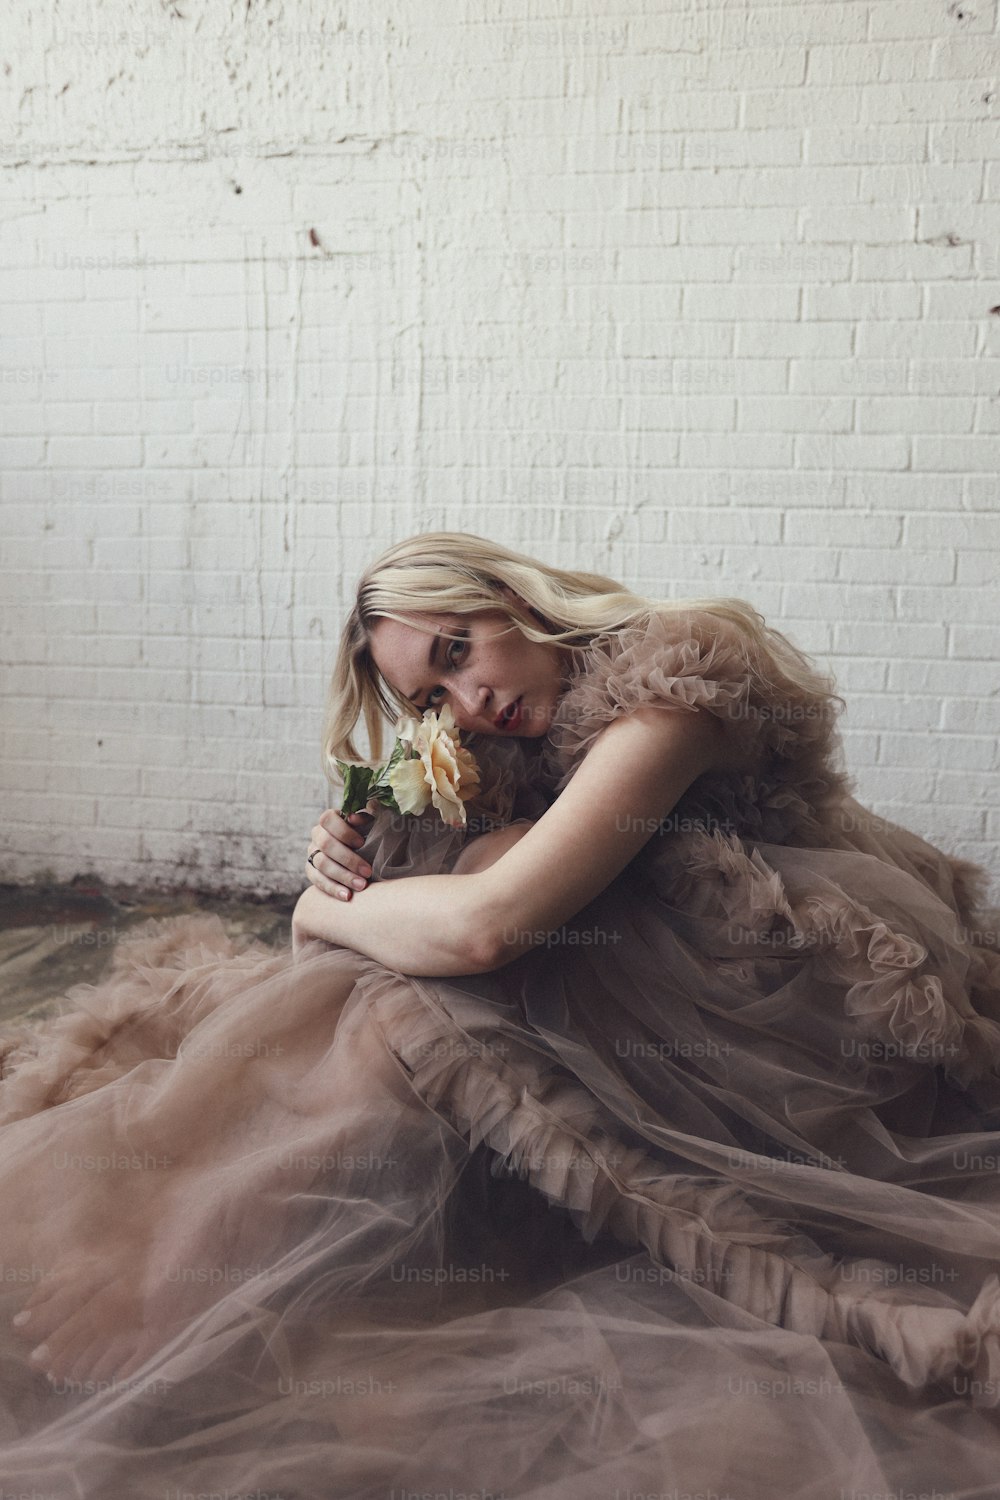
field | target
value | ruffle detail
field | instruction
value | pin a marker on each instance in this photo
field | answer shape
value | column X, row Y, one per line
column 164, row 976
column 894, row 992
column 694, row 660
column 887, row 976
column 925, row 1344
column 701, row 1230
column 978, row 1345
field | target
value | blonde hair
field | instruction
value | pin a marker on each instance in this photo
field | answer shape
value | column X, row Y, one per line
column 456, row 572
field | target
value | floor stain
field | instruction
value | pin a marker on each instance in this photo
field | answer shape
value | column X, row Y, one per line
column 53, row 937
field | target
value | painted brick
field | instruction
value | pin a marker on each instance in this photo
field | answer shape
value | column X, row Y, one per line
column 697, row 298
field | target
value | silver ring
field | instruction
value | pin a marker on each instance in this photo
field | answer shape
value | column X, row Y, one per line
column 312, row 856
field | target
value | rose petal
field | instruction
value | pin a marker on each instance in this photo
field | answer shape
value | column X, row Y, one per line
column 408, row 780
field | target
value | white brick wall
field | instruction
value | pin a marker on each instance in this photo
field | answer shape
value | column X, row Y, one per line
column 698, row 294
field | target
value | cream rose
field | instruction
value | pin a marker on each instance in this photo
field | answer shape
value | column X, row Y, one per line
column 441, row 771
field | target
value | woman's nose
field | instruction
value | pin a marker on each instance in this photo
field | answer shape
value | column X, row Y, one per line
column 470, row 699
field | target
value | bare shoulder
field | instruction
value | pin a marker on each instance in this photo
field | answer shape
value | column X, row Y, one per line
column 696, row 734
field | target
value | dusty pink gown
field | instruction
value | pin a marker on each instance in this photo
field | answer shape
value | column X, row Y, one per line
column 700, row 1196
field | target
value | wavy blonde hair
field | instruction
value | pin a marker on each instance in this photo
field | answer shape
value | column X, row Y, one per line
column 457, row 572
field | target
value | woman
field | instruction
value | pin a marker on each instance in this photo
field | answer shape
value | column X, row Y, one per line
column 637, row 1136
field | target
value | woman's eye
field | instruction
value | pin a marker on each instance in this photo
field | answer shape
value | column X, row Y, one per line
column 463, row 642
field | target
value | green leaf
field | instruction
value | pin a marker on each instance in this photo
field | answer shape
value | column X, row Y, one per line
column 387, row 797
column 357, row 780
column 362, row 783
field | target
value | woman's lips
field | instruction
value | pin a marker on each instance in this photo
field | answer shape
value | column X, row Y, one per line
column 513, row 721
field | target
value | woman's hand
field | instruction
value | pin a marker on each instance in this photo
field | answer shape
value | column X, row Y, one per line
column 335, row 867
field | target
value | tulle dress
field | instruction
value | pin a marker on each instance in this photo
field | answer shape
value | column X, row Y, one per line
column 699, row 1196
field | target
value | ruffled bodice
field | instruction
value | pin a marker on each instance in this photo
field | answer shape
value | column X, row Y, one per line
column 791, row 775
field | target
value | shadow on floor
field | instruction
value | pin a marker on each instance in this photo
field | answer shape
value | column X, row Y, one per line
column 52, row 937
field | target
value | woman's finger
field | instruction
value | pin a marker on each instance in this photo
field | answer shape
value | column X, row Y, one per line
column 339, row 863
column 336, row 854
column 331, row 878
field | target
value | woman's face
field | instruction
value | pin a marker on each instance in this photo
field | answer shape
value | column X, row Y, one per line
column 479, row 676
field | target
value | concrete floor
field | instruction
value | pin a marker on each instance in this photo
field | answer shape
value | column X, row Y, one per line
column 52, row 937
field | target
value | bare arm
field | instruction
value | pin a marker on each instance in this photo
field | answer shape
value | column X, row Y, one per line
column 422, row 924
column 484, row 851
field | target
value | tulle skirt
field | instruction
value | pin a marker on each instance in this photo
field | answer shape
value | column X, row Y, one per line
column 658, row 1209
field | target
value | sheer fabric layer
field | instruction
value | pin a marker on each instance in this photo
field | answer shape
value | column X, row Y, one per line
column 702, row 1194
